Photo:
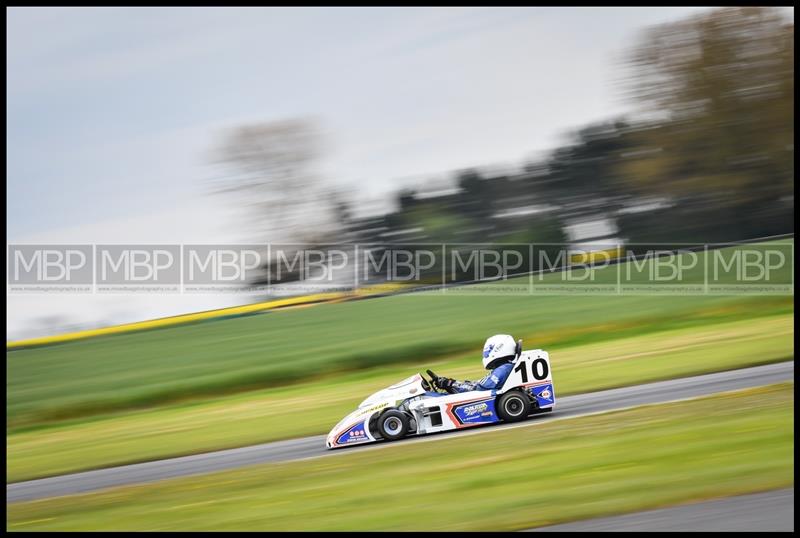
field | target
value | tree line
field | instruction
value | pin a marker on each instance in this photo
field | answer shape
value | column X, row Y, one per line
column 707, row 155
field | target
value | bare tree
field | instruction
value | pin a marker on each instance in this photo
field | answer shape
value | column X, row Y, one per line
column 271, row 167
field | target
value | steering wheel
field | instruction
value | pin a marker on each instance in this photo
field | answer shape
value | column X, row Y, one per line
column 425, row 384
column 434, row 377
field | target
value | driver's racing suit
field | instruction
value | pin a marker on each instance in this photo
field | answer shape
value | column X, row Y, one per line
column 493, row 380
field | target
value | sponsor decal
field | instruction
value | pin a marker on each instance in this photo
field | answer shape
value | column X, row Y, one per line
column 373, row 408
column 356, row 434
column 474, row 412
column 476, row 408
column 487, row 350
column 544, row 394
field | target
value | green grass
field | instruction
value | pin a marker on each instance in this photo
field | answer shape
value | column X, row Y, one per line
column 160, row 367
column 233, row 382
column 313, row 408
column 532, row 476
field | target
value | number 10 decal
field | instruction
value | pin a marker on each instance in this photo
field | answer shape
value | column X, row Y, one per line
column 539, row 369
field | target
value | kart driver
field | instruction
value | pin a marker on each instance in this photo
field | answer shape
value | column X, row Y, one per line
column 499, row 353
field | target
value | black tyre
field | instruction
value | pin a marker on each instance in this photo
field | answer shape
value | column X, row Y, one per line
column 394, row 425
column 513, row 406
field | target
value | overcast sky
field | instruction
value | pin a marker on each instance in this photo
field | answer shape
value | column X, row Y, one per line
column 111, row 113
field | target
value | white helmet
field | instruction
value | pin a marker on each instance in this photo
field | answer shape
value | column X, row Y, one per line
column 497, row 347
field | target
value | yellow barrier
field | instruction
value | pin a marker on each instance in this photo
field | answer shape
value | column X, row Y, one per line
column 176, row 320
column 210, row 314
column 597, row 255
column 384, row 287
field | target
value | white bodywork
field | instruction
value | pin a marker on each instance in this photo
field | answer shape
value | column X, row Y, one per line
column 435, row 413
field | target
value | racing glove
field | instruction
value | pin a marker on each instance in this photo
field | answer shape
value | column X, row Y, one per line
column 445, row 382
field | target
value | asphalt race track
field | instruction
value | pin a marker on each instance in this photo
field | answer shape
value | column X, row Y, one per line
column 771, row 511
column 308, row 447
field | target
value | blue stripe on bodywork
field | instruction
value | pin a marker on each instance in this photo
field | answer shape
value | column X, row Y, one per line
column 544, row 395
column 480, row 412
column 356, row 434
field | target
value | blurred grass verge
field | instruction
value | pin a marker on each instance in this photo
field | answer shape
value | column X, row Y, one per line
column 161, row 368
column 313, row 408
column 643, row 458
column 200, row 361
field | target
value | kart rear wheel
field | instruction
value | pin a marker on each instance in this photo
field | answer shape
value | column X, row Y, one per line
column 393, row 425
column 513, row 406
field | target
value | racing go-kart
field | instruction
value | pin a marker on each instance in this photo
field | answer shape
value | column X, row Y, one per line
column 416, row 406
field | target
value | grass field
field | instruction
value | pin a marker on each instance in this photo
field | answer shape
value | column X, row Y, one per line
column 313, row 408
column 160, row 367
column 233, row 382
column 156, row 367
column 637, row 459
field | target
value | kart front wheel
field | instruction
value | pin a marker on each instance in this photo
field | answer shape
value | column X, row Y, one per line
column 513, row 406
column 393, row 425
